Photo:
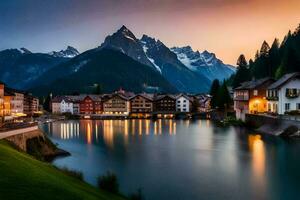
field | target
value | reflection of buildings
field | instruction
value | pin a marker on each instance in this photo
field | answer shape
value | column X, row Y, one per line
column 256, row 146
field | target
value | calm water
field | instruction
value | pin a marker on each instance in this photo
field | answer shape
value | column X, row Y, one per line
column 184, row 160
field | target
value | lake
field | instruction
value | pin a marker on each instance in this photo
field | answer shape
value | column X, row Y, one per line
column 181, row 159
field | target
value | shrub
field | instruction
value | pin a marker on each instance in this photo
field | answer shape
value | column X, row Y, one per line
column 109, row 182
column 73, row 173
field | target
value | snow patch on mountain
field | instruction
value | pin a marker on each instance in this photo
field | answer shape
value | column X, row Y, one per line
column 70, row 52
column 145, row 48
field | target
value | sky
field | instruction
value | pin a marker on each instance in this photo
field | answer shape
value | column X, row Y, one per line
column 226, row 27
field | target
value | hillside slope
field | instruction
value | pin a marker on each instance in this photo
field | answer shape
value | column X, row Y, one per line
column 23, row 177
column 111, row 69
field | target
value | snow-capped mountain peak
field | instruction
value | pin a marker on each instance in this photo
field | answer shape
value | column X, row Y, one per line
column 69, row 52
column 204, row 63
column 24, row 51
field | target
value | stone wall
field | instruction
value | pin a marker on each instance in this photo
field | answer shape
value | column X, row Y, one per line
column 20, row 140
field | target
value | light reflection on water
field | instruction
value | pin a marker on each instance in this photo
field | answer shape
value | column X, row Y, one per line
column 182, row 159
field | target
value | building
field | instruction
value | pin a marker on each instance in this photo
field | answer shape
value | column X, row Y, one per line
column 183, row 103
column 7, row 103
column 55, row 104
column 62, row 104
column 17, row 102
column 91, row 104
column 201, row 103
column 284, row 94
column 30, row 104
column 250, row 97
column 141, row 105
column 165, row 104
column 116, row 104
column 66, row 106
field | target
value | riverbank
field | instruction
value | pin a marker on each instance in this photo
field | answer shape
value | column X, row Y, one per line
column 23, row 177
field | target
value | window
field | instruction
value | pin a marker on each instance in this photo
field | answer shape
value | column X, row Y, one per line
column 255, row 92
column 298, row 106
column 287, row 107
column 291, row 92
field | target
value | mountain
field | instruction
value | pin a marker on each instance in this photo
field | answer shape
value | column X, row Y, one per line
column 109, row 68
column 171, row 68
column 156, row 55
column 70, row 52
column 20, row 67
column 125, row 41
column 204, row 63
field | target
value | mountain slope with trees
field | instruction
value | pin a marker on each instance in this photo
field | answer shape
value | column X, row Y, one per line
column 105, row 67
column 271, row 61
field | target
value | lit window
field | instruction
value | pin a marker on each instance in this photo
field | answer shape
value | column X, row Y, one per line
column 255, row 92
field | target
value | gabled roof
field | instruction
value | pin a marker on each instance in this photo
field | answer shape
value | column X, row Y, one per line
column 159, row 97
column 184, row 95
column 253, row 84
column 283, row 80
column 59, row 99
column 107, row 97
column 144, row 95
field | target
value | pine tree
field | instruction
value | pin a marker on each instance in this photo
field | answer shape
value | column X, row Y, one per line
column 274, row 56
column 223, row 97
column 243, row 72
column 214, row 92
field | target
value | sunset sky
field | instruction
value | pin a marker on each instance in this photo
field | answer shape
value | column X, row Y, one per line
column 225, row 27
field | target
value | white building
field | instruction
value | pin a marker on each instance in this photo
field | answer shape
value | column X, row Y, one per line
column 183, row 103
column 62, row 104
column 284, row 95
column 66, row 106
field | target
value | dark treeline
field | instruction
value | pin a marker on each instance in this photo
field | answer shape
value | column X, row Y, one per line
column 270, row 61
column 220, row 95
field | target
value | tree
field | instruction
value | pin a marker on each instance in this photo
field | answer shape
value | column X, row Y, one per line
column 214, row 92
column 243, row 72
column 47, row 101
column 224, row 99
column 274, row 56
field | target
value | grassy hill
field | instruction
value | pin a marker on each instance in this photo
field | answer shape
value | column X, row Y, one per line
column 22, row 177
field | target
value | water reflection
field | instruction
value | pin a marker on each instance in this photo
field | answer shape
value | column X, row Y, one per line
column 217, row 163
column 107, row 129
column 257, row 149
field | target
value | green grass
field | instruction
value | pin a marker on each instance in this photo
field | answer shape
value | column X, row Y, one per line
column 23, row 177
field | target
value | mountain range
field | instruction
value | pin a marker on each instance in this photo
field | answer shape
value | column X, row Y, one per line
column 122, row 60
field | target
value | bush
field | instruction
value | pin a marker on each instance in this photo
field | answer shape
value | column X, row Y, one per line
column 73, row 173
column 109, row 182
column 137, row 196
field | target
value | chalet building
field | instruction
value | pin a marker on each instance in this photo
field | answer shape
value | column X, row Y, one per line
column 91, row 104
column 116, row 104
column 284, row 95
column 76, row 99
column 201, row 103
column 55, row 104
column 141, row 105
column 165, row 106
column 62, row 104
column 250, row 97
column 183, row 103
